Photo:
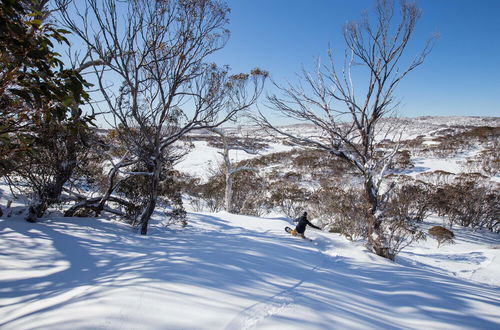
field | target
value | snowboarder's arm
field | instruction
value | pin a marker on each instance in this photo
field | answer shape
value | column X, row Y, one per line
column 310, row 224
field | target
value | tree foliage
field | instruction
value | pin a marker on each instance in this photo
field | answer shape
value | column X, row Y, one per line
column 35, row 88
column 41, row 124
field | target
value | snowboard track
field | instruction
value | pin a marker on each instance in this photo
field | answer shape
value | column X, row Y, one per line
column 252, row 315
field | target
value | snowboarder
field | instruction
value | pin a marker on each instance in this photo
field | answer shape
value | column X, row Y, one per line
column 301, row 226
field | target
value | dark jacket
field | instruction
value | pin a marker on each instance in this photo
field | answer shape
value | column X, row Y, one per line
column 303, row 222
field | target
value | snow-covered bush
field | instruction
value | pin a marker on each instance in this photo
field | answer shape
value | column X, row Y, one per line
column 490, row 161
column 399, row 232
column 90, row 174
column 441, row 234
column 487, row 162
column 470, row 202
column 402, row 160
column 275, row 158
column 342, row 211
column 249, row 193
column 411, row 200
column 58, row 149
column 209, row 195
column 407, row 206
column 136, row 190
column 288, row 198
column 438, row 177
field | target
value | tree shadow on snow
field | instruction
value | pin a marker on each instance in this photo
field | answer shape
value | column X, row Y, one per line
column 338, row 291
column 104, row 254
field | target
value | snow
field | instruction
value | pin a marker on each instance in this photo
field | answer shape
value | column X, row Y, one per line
column 434, row 164
column 228, row 271
column 198, row 161
column 203, row 158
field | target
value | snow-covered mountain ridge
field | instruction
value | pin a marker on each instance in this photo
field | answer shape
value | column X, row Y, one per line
column 423, row 125
column 204, row 156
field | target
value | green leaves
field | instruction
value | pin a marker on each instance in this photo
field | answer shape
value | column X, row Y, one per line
column 36, row 91
column 23, row 94
column 35, row 23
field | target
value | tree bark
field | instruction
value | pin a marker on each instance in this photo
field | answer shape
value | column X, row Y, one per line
column 51, row 192
column 149, row 208
column 146, row 214
column 376, row 237
column 228, row 194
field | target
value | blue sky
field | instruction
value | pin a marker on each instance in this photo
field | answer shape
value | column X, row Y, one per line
column 461, row 76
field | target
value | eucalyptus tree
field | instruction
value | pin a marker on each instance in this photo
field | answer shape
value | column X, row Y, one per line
column 42, row 127
column 228, row 166
column 156, row 78
column 347, row 102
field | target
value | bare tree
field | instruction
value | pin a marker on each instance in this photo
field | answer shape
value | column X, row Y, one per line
column 229, row 168
column 348, row 115
column 163, row 88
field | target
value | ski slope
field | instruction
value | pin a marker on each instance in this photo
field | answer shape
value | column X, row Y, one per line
column 226, row 271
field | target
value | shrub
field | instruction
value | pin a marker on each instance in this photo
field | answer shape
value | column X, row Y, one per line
column 137, row 187
column 249, row 193
column 209, row 195
column 171, row 194
column 438, row 177
column 407, row 205
column 288, row 198
column 341, row 210
column 402, row 160
column 442, row 235
column 469, row 202
column 411, row 201
column 399, row 232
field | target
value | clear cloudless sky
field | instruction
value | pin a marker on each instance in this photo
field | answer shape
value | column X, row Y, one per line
column 460, row 77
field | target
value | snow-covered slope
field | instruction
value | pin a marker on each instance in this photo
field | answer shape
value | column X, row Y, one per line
column 228, row 271
column 204, row 157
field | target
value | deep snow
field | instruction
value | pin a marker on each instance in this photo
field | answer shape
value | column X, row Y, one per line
column 227, row 271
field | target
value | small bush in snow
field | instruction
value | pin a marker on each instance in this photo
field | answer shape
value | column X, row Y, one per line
column 137, row 188
column 341, row 210
column 209, row 195
column 487, row 162
column 407, row 206
column 411, row 201
column 402, row 160
column 469, row 202
column 442, row 235
column 250, row 193
column 288, row 198
column 398, row 234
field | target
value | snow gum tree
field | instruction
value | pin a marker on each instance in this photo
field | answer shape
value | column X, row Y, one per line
column 156, row 80
column 347, row 103
column 229, row 168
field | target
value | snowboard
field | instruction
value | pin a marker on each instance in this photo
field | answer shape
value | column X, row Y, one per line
column 289, row 230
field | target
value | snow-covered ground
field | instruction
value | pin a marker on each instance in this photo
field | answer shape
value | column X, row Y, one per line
column 228, row 271
column 203, row 158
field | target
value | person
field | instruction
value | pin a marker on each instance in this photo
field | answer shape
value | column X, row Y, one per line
column 301, row 226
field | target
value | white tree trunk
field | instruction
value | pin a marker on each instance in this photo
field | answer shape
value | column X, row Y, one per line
column 228, row 195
